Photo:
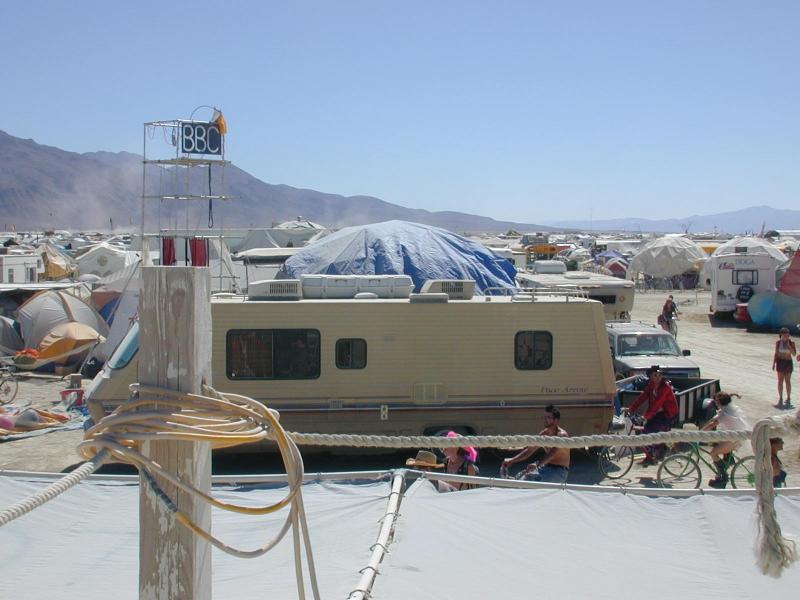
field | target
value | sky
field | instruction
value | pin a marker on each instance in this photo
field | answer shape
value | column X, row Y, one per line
column 526, row 111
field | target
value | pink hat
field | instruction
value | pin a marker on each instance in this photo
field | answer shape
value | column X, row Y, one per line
column 470, row 452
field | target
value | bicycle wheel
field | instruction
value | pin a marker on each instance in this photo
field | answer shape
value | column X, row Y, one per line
column 615, row 461
column 8, row 389
column 743, row 474
column 679, row 471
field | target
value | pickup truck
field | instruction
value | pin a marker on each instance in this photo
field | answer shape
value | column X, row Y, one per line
column 637, row 346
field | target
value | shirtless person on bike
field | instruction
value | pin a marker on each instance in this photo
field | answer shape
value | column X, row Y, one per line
column 554, row 466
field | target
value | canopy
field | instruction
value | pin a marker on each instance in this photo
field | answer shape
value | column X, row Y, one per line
column 494, row 543
column 402, row 248
column 42, row 312
column 750, row 245
column 668, row 256
column 610, row 254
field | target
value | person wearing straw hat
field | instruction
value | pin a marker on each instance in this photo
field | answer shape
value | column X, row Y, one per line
column 424, row 461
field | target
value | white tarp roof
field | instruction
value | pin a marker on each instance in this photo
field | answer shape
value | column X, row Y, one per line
column 668, row 256
column 85, row 543
column 476, row 544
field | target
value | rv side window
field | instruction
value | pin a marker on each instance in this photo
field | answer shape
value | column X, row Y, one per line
column 533, row 350
column 273, row 354
column 351, row 354
column 745, row 277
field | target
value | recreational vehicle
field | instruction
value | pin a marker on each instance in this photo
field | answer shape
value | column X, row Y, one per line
column 615, row 294
column 333, row 359
column 734, row 278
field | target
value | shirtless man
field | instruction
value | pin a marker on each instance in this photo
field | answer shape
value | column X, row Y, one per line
column 554, row 467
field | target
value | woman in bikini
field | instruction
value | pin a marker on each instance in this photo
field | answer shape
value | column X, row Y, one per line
column 785, row 350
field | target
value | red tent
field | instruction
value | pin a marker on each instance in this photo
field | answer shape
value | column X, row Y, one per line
column 790, row 283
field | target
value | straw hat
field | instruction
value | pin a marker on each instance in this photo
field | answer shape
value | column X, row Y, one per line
column 424, row 459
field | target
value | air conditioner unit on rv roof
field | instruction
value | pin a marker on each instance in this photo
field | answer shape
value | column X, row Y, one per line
column 274, row 289
column 456, row 289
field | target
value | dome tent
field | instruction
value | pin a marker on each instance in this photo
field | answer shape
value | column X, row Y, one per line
column 402, row 248
column 44, row 311
column 668, row 256
column 750, row 245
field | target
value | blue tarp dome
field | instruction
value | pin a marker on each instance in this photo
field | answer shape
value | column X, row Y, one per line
column 402, row 248
column 774, row 309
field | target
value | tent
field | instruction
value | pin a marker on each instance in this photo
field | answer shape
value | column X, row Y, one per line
column 64, row 342
column 102, row 259
column 779, row 308
column 44, row 311
column 668, row 256
column 750, row 245
column 57, row 264
column 618, row 266
column 10, row 340
column 402, row 248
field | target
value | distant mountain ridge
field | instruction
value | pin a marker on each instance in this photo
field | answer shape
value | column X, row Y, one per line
column 43, row 187
column 750, row 219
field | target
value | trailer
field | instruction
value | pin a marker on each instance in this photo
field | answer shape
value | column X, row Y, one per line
column 689, row 391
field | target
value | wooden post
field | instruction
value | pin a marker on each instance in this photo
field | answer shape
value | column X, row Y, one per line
column 175, row 353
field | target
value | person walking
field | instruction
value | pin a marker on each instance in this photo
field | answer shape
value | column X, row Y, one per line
column 785, row 350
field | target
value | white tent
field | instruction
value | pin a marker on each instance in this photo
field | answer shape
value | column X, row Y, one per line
column 102, row 260
column 476, row 544
column 750, row 245
column 668, row 256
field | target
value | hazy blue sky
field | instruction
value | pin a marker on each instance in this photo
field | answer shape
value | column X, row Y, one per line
column 526, row 111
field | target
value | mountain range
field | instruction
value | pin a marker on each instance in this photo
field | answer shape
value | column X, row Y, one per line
column 43, row 187
column 752, row 219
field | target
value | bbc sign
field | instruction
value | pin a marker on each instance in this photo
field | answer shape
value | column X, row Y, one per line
column 200, row 138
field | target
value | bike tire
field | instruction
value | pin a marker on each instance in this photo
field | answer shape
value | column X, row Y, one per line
column 679, row 471
column 8, row 389
column 615, row 461
column 743, row 474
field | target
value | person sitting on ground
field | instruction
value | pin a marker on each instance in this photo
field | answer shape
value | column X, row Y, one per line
column 729, row 417
column 554, row 466
column 778, row 474
column 459, row 461
column 661, row 414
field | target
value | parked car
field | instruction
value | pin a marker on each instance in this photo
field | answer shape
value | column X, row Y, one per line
column 637, row 346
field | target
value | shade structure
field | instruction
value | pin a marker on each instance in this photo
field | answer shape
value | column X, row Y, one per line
column 402, row 248
column 668, row 256
column 475, row 544
column 42, row 312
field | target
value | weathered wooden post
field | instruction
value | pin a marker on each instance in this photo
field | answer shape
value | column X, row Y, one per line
column 175, row 353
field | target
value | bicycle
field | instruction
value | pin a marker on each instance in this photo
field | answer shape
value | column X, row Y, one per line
column 614, row 462
column 682, row 470
column 9, row 386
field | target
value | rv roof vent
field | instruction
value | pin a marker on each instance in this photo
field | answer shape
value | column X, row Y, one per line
column 366, row 296
column 274, row 289
column 576, row 275
column 456, row 289
column 223, row 295
column 430, row 298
